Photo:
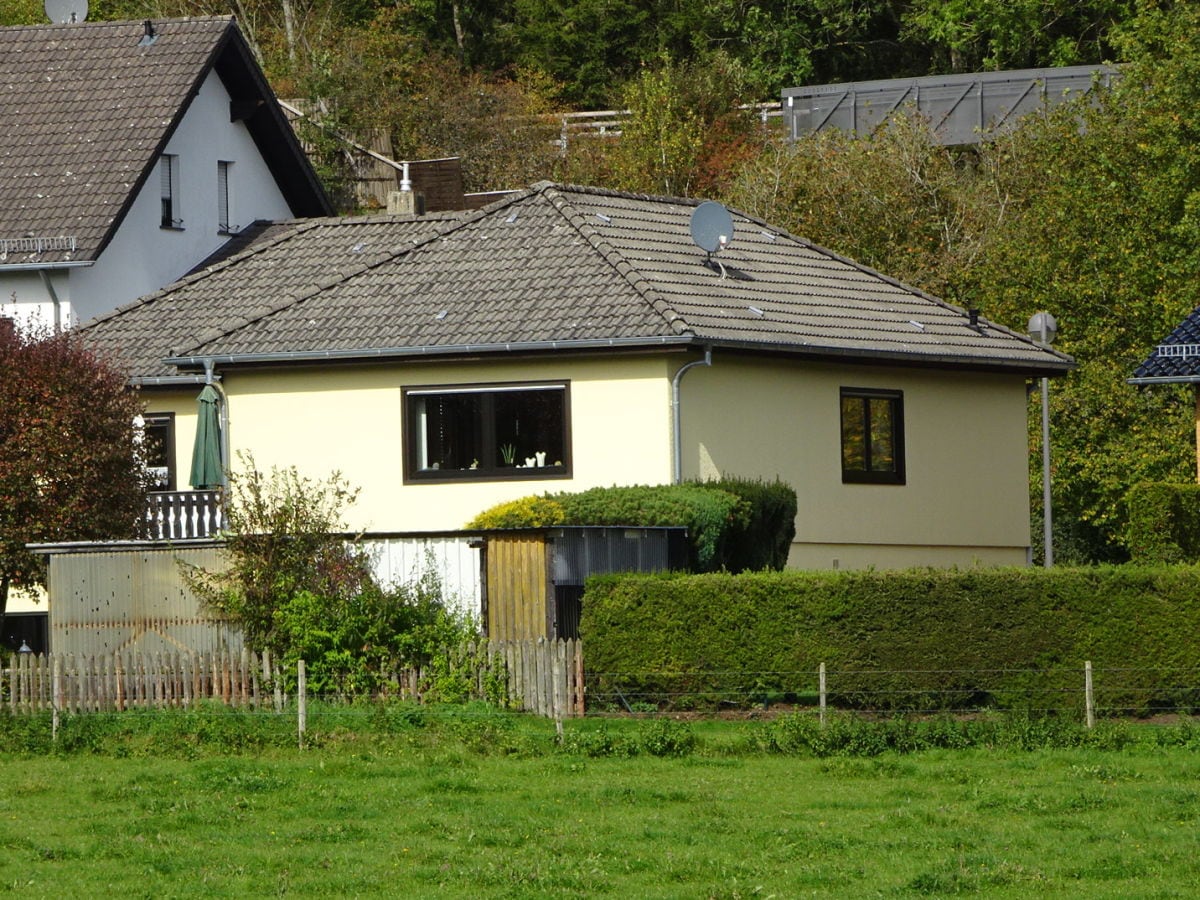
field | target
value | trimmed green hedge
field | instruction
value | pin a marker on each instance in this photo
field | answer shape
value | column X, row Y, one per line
column 770, row 526
column 735, row 524
column 914, row 640
column 1164, row 523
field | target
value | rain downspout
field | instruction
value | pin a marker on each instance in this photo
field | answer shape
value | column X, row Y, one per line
column 211, row 378
column 53, row 298
column 676, row 414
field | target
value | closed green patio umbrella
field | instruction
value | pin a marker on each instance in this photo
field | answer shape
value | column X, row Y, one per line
column 207, row 471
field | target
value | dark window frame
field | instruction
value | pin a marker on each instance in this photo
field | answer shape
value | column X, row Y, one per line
column 487, row 424
column 224, row 168
column 170, row 216
column 869, row 475
column 167, row 420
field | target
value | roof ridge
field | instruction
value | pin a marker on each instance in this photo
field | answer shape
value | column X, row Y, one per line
column 614, row 258
column 443, row 228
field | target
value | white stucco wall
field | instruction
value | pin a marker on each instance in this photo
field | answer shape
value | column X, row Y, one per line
column 143, row 256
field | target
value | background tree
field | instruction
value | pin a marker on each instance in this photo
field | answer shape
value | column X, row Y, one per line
column 70, row 467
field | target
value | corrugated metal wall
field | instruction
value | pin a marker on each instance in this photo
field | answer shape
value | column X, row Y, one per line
column 111, row 601
column 452, row 559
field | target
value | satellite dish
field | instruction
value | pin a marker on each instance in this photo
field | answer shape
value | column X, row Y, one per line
column 66, row 12
column 712, row 226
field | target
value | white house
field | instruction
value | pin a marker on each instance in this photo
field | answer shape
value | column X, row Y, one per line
column 129, row 153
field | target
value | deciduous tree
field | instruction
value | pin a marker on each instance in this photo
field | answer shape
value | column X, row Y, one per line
column 70, row 467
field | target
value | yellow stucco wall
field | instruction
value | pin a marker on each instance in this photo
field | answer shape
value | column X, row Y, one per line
column 349, row 419
column 965, row 500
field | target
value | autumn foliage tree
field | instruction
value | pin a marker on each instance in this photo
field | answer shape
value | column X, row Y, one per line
column 70, row 467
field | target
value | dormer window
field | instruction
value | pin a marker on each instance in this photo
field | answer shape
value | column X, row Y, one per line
column 168, row 169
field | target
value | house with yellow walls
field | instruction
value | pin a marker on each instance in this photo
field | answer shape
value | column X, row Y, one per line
column 567, row 337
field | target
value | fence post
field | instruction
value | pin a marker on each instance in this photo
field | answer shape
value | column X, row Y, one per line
column 821, row 690
column 1088, row 697
column 301, row 701
column 56, row 688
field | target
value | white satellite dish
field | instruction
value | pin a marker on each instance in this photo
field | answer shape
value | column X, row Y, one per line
column 712, row 226
column 66, row 12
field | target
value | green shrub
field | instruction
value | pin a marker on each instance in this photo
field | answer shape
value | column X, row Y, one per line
column 526, row 512
column 926, row 640
column 770, row 524
column 735, row 524
column 1163, row 523
column 710, row 515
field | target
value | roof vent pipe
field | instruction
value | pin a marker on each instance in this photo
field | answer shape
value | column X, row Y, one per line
column 405, row 181
column 675, row 411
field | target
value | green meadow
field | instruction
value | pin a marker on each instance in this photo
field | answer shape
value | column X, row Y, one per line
column 494, row 806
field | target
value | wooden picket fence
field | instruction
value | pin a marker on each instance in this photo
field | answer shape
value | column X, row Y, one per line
column 542, row 677
column 120, row 681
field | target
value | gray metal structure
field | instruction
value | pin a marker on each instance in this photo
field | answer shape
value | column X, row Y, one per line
column 961, row 109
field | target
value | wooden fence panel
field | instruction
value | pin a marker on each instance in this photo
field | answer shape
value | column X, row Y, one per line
column 120, row 681
column 543, row 677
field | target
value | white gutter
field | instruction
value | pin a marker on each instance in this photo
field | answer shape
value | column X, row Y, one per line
column 28, row 267
column 676, row 415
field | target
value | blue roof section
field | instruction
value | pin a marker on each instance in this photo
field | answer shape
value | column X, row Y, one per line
column 1176, row 359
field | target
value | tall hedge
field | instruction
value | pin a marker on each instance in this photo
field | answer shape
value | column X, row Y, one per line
column 1163, row 523
column 928, row 639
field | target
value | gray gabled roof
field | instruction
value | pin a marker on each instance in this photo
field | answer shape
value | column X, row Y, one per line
column 552, row 268
column 85, row 111
column 1177, row 359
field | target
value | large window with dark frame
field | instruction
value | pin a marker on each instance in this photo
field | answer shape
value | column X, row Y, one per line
column 872, row 436
column 487, row 431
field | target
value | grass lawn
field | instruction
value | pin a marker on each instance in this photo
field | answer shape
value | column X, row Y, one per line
column 424, row 816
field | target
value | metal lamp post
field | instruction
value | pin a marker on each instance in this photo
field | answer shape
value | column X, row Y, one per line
column 1043, row 329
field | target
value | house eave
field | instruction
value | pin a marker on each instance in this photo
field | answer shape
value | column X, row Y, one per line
column 433, row 351
column 1057, row 365
column 36, row 266
column 1163, row 379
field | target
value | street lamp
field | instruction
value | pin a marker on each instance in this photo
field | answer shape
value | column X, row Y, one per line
column 1043, row 329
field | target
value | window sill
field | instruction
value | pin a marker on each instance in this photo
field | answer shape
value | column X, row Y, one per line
column 516, row 473
column 171, row 228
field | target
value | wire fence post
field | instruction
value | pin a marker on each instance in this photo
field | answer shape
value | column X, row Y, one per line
column 1089, row 698
column 821, row 689
column 301, row 701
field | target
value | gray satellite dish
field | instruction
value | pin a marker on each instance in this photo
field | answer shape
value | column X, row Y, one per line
column 66, row 12
column 712, row 226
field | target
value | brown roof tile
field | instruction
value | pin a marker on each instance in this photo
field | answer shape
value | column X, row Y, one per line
column 553, row 267
column 84, row 112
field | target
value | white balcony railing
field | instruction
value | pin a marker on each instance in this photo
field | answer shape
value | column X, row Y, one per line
column 176, row 515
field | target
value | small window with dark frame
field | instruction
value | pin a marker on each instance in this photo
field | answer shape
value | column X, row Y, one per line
column 168, row 172
column 223, row 169
column 158, row 435
column 487, row 432
column 872, row 436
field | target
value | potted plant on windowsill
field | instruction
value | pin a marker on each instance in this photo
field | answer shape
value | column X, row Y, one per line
column 508, row 453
